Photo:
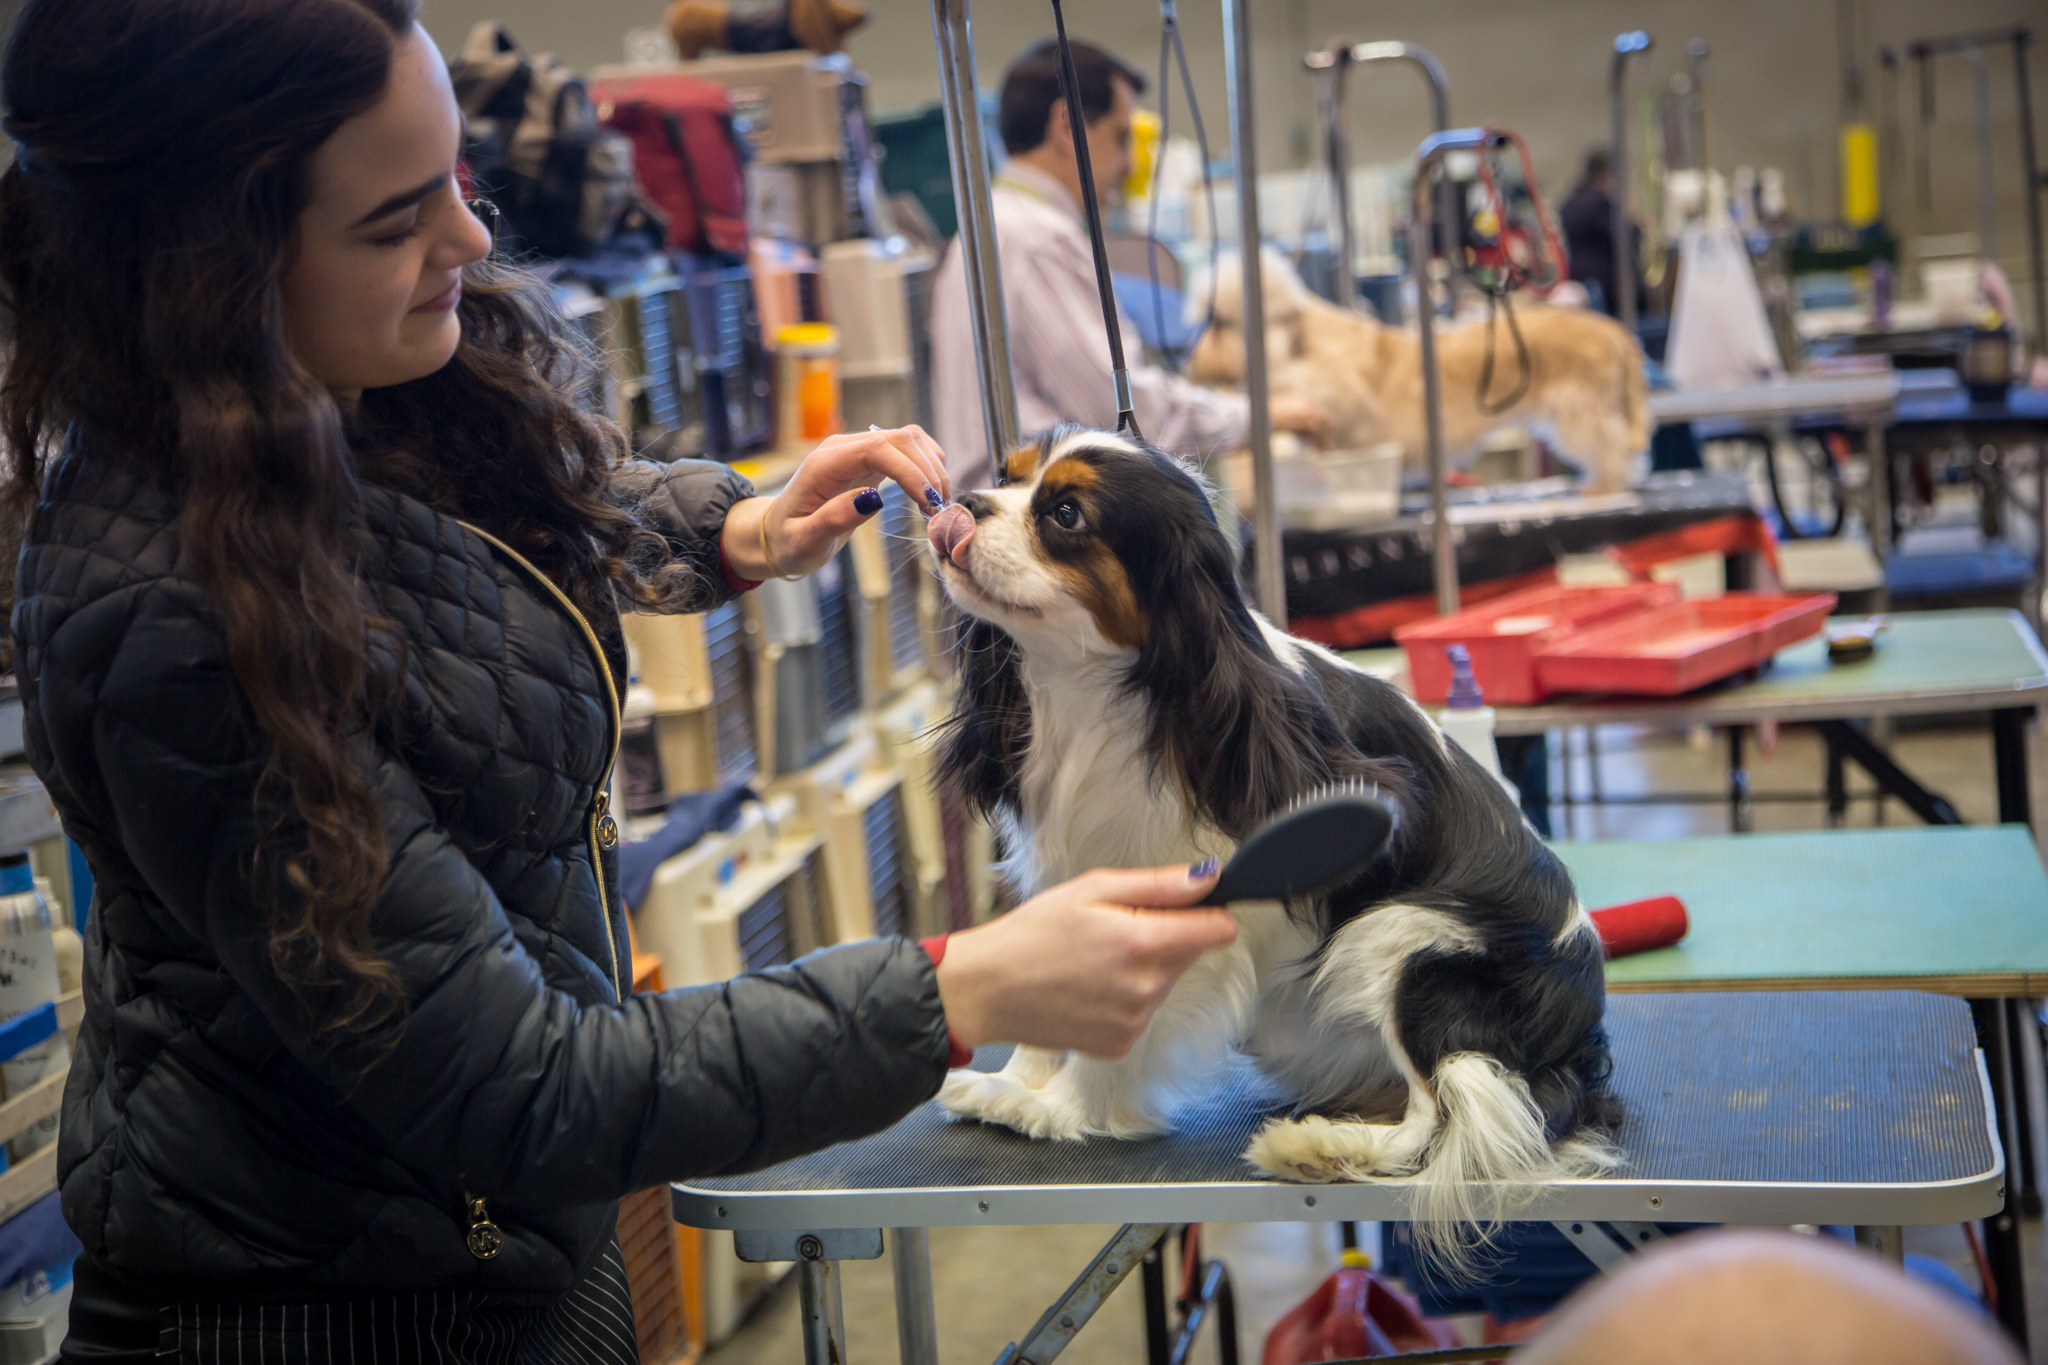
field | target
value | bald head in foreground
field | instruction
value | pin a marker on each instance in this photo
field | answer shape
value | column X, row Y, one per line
column 1764, row 1298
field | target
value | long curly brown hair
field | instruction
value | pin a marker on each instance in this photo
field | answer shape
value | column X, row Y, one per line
column 163, row 161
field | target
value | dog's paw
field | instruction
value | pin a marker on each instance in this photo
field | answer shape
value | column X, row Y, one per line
column 969, row 1094
column 1295, row 1149
column 1000, row 1100
column 1321, row 1150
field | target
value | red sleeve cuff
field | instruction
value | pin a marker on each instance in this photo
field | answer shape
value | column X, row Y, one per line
column 956, row 1055
column 733, row 580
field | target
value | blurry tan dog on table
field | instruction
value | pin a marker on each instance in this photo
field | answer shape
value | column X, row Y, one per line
column 1585, row 390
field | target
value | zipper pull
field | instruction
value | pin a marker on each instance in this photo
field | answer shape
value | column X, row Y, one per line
column 484, row 1238
column 607, row 828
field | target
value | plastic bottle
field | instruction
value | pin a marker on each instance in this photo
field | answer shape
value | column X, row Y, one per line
column 28, row 978
column 1468, row 720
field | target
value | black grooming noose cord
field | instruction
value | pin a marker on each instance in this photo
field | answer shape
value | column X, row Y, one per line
column 1070, row 94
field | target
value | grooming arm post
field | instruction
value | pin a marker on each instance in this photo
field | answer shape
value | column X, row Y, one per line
column 1337, row 150
column 1625, row 46
column 2030, row 165
column 1443, row 546
column 1423, row 60
column 953, row 36
column 1244, row 152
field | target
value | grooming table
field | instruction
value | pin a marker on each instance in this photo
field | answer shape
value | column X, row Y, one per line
column 1871, row 1108
column 1955, row 910
column 1928, row 663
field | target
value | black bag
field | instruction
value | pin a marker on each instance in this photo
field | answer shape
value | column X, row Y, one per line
column 562, row 181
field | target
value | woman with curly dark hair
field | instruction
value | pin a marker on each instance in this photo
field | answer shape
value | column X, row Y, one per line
column 317, row 631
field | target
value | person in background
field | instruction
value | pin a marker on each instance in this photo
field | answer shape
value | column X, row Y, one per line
column 1057, row 348
column 1587, row 219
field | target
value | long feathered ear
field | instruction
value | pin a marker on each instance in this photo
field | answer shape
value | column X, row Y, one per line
column 1242, row 733
column 991, row 725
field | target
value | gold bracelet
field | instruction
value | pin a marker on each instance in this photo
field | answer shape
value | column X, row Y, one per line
column 769, row 559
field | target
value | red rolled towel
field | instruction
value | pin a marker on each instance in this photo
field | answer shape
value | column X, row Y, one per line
column 1638, row 926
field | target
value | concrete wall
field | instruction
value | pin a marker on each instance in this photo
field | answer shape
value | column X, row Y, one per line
column 1774, row 78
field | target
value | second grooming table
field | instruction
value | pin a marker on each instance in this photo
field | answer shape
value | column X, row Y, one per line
column 1869, row 1108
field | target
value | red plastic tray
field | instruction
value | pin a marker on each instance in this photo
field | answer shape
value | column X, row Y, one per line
column 1505, row 634
column 1677, row 648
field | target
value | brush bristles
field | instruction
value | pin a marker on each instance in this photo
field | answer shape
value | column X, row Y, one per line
column 1354, row 788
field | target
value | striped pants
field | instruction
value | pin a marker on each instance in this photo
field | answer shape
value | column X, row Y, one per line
column 591, row 1325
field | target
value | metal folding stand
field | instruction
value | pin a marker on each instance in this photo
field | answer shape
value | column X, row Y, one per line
column 1337, row 60
column 1971, row 47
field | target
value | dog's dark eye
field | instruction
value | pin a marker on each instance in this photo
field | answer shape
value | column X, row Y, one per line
column 1066, row 514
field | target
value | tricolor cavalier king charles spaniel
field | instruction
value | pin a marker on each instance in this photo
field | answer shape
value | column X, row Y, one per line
column 1436, row 1021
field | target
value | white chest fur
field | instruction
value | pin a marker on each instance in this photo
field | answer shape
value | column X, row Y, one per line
column 1090, row 796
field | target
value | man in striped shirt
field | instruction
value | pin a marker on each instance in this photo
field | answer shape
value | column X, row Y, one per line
column 1057, row 348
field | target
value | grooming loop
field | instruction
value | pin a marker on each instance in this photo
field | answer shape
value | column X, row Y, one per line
column 1077, row 122
column 1500, row 263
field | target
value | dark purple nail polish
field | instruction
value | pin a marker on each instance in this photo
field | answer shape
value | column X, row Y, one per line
column 932, row 498
column 867, row 502
column 1205, row 868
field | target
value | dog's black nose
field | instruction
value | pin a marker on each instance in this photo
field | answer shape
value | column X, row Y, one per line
column 978, row 504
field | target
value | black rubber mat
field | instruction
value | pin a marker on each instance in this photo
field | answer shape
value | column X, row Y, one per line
column 1764, row 1086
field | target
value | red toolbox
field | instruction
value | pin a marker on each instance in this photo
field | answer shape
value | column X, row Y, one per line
column 1676, row 648
column 1506, row 633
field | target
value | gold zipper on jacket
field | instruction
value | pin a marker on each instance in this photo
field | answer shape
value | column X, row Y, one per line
column 483, row 1238
column 604, row 830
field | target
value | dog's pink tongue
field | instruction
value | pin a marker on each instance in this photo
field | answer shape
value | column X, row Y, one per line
column 950, row 530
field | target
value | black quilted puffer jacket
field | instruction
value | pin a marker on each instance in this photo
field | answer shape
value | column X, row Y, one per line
column 216, row 1145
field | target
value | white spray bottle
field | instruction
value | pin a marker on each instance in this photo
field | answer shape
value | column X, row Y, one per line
column 1468, row 720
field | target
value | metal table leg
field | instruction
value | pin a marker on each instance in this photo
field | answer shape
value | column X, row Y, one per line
column 1837, row 782
column 2022, row 1175
column 917, row 1328
column 1888, row 1242
column 1739, row 809
column 1856, row 743
column 2009, row 758
column 824, row 1322
column 1133, row 1245
column 2002, row 1230
column 1158, row 1334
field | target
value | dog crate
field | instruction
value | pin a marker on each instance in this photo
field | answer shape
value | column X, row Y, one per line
column 919, row 272
column 630, row 327
column 749, row 898
column 721, row 362
column 808, row 685
column 696, row 730
column 908, row 736
column 839, row 638
column 789, row 679
column 853, row 800
column 889, row 573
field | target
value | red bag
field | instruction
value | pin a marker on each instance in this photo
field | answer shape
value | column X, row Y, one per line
column 687, row 156
column 1354, row 1313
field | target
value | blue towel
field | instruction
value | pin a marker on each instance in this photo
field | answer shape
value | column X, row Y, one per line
column 1134, row 296
column 36, row 1239
column 690, row 818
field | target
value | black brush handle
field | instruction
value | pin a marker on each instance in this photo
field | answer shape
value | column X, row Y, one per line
column 1311, row 850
